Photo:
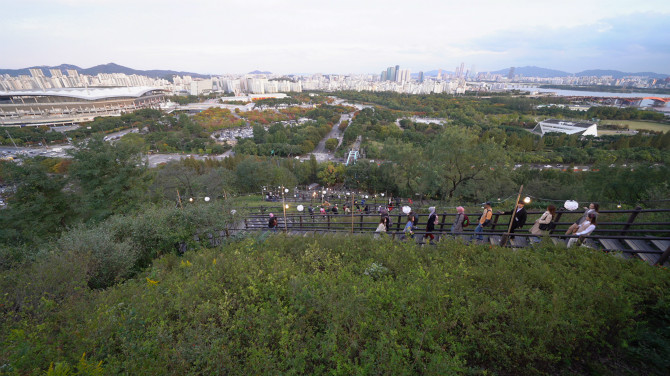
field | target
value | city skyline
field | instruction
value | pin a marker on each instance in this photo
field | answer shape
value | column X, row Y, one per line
column 347, row 37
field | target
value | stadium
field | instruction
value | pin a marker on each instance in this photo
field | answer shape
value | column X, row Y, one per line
column 53, row 107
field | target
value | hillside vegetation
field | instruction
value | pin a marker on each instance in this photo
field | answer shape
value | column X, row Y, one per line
column 337, row 305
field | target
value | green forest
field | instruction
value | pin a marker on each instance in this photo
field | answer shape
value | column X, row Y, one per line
column 107, row 267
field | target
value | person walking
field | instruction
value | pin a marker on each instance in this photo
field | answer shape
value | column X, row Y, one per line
column 593, row 208
column 408, row 231
column 430, row 225
column 519, row 218
column 457, row 226
column 484, row 221
column 272, row 222
column 381, row 228
column 585, row 228
column 386, row 218
column 545, row 219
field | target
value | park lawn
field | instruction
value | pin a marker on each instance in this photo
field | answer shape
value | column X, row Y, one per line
column 640, row 125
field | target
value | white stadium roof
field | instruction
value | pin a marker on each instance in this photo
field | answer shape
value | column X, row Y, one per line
column 90, row 94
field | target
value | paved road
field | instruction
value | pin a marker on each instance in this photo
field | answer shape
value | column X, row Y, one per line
column 20, row 152
column 157, row 159
column 320, row 152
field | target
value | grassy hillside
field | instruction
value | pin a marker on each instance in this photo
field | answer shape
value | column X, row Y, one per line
column 640, row 125
column 342, row 305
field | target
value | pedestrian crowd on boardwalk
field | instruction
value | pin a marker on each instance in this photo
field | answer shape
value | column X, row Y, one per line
column 584, row 226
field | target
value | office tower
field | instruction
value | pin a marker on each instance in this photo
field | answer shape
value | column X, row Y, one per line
column 390, row 74
column 461, row 71
column 439, row 74
column 510, row 75
column 420, row 76
column 397, row 69
column 382, row 77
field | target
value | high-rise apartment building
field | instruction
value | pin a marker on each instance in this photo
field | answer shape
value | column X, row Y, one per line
column 36, row 72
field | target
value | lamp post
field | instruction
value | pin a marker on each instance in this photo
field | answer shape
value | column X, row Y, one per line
column 352, row 211
column 284, row 206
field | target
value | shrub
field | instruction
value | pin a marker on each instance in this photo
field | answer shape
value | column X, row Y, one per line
column 352, row 305
column 331, row 144
column 107, row 258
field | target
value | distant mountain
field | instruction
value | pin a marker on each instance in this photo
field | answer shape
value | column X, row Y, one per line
column 533, row 72
column 434, row 73
column 259, row 72
column 618, row 74
column 104, row 68
column 547, row 73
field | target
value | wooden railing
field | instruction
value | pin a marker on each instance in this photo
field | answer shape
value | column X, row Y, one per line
column 627, row 231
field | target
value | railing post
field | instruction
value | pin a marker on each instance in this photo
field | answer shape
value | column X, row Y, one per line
column 555, row 220
column 444, row 218
column 397, row 228
column 361, row 221
column 246, row 225
column 631, row 219
column 301, row 222
column 495, row 221
column 328, row 216
column 664, row 257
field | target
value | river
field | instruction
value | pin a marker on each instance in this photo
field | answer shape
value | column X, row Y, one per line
column 579, row 93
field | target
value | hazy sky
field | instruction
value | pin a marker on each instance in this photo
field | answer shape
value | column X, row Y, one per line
column 343, row 36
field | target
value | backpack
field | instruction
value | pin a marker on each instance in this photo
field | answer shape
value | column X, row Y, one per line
column 466, row 220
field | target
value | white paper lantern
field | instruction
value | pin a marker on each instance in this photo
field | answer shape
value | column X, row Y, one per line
column 300, row 208
column 571, row 205
column 406, row 209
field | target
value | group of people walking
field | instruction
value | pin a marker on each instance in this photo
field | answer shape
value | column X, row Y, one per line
column 542, row 226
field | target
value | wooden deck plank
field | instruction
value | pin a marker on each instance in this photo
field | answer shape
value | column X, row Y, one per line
column 662, row 245
column 612, row 244
column 558, row 241
column 641, row 245
column 519, row 242
column 494, row 239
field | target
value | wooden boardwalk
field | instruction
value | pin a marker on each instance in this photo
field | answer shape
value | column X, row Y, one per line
column 638, row 233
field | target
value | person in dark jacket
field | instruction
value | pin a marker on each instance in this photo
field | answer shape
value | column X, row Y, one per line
column 430, row 225
column 519, row 217
column 272, row 222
